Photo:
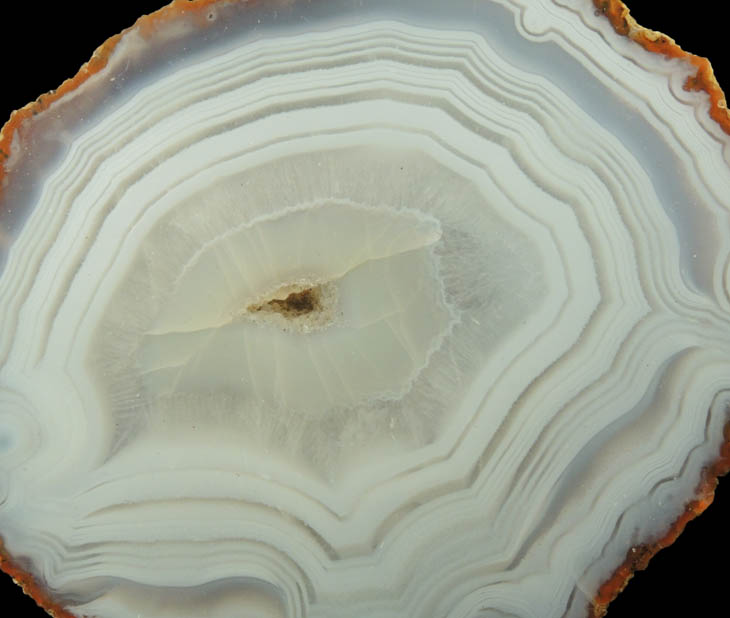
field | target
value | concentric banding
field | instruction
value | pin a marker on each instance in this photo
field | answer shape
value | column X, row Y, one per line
column 518, row 332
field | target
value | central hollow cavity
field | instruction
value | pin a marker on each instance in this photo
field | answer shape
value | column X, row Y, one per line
column 295, row 304
column 303, row 306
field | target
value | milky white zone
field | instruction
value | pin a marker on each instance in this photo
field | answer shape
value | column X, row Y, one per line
column 518, row 367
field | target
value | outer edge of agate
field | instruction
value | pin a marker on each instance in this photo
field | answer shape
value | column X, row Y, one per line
column 146, row 25
column 638, row 556
column 30, row 586
column 656, row 42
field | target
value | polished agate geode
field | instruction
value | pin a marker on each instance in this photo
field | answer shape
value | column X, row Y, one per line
column 360, row 310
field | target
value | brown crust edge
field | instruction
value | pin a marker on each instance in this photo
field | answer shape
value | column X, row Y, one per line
column 30, row 586
column 638, row 557
column 146, row 25
column 656, row 42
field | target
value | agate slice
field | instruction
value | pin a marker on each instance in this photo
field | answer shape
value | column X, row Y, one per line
column 362, row 310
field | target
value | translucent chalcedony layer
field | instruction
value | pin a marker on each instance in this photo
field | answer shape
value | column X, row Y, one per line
column 390, row 311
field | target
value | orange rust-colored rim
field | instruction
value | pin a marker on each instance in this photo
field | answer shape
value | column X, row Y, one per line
column 656, row 42
column 638, row 557
column 146, row 25
column 30, row 586
column 618, row 14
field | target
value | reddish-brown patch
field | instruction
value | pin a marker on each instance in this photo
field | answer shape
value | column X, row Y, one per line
column 658, row 43
column 637, row 558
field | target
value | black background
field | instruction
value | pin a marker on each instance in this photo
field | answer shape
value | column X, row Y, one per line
column 56, row 39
